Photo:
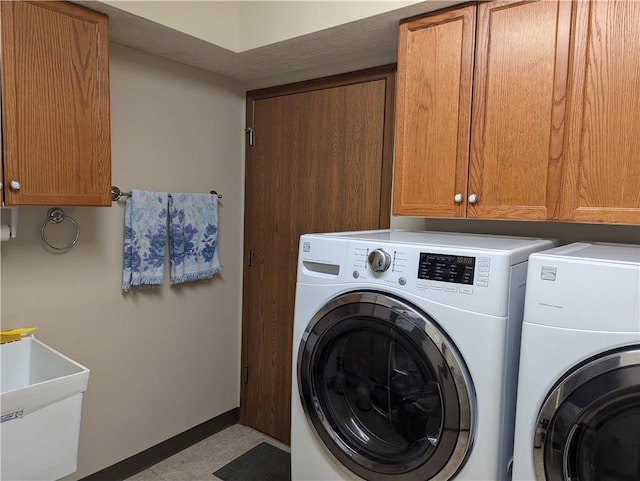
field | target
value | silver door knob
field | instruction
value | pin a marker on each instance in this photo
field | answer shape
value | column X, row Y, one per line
column 379, row 260
column 14, row 184
column 473, row 198
column 457, row 198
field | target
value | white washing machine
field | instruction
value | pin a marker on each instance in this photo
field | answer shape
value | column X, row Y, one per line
column 578, row 409
column 405, row 351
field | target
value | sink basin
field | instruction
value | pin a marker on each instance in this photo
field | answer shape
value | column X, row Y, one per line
column 41, row 404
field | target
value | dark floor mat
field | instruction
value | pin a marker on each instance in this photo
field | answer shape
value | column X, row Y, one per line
column 262, row 463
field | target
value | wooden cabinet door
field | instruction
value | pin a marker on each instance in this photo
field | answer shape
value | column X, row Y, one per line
column 55, row 104
column 433, row 113
column 603, row 154
column 519, row 98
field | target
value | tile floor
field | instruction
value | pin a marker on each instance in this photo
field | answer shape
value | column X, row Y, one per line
column 198, row 462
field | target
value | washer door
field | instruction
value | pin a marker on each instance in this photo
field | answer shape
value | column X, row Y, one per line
column 385, row 389
column 589, row 425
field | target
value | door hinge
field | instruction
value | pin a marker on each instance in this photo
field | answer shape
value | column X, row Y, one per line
column 249, row 258
column 249, row 132
column 246, row 374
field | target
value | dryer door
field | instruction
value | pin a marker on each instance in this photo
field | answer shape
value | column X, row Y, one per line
column 385, row 389
column 589, row 425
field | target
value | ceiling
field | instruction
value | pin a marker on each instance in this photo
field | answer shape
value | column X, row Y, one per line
column 360, row 44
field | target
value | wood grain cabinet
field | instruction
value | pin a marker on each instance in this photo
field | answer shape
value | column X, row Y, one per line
column 601, row 178
column 433, row 114
column 507, row 110
column 55, row 104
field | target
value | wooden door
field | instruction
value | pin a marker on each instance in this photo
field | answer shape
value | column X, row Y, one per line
column 321, row 163
column 603, row 154
column 433, row 113
column 519, row 99
column 55, row 102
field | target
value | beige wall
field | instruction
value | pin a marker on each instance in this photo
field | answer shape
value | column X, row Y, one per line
column 564, row 232
column 243, row 25
column 161, row 361
column 216, row 22
column 266, row 22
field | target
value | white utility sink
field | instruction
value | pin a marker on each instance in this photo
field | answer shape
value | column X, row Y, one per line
column 41, row 404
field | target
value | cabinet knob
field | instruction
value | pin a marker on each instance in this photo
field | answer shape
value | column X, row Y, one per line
column 457, row 198
column 14, row 184
column 473, row 198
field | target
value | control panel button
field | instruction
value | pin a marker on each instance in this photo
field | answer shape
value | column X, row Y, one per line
column 402, row 281
column 466, row 290
column 435, row 287
column 356, row 274
column 450, row 289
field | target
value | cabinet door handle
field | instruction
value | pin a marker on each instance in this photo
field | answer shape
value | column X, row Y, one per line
column 473, row 198
column 14, row 184
column 457, row 198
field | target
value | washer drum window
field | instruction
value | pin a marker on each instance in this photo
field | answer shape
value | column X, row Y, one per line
column 385, row 389
column 589, row 426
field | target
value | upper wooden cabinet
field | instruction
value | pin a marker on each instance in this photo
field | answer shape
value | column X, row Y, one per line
column 55, row 104
column 552, row 121
column 601, row 181
column 480, row 111
column 519, row 93
column 433, row 113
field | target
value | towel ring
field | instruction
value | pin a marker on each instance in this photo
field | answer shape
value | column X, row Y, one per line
column 57, row 216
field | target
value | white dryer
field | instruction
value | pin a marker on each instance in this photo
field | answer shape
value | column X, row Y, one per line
column 405, row 350
column 578, row 409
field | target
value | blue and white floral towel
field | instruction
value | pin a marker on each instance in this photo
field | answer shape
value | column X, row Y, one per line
column 145, row 239
column 193, row 229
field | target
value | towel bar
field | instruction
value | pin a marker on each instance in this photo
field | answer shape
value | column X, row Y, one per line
column 116, row 193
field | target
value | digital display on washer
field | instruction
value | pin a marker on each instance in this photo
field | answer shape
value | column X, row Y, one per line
column 440, row 267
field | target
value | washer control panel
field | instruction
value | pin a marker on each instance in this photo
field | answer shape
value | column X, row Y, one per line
column 424, row 269
column 475, row 273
